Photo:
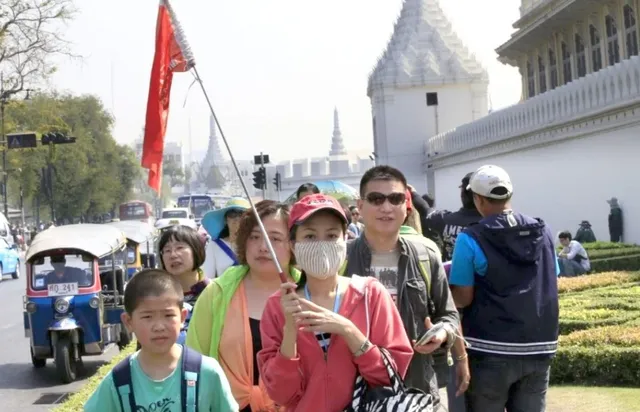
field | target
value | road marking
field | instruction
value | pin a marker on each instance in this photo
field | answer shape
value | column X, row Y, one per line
column 11, row 325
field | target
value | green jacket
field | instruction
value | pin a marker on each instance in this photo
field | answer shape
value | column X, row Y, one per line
column 207, row 319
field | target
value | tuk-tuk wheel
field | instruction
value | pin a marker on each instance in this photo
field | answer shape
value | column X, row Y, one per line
column 37, row 363
column 65, row 364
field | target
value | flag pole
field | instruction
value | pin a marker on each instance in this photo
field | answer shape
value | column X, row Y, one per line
column 283, row 278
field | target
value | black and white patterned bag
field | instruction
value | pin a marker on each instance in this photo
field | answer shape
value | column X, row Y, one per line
column 394, row 398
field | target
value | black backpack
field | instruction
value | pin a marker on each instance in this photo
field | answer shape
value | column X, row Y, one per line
column 191, row 363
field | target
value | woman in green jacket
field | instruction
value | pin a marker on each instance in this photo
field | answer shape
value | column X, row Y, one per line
column 225, row 323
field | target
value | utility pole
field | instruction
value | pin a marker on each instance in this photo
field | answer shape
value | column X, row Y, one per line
column 4, row 96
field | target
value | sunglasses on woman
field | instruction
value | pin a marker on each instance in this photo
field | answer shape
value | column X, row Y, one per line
column 378, row 199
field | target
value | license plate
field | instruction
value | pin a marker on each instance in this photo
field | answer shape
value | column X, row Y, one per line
column 62, row 289
column 174, row 222
column 118, row 262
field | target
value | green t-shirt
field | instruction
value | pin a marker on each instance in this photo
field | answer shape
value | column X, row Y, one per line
column 164, row 395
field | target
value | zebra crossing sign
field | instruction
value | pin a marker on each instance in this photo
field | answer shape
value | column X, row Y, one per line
column 21, row 140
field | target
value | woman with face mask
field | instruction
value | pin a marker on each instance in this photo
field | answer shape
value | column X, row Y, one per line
column 226, row 320
column 319, row 333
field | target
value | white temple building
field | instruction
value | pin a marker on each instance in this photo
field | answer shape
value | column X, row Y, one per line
column 425, row 82
column 339, row 164
column 572, row 143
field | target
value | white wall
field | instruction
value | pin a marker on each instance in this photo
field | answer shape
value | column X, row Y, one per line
column 403, row 122
column 566, row 182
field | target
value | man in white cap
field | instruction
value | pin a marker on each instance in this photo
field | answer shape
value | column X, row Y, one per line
column 504, row 274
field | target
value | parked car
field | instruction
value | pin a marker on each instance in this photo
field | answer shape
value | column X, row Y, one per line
column 9, row 259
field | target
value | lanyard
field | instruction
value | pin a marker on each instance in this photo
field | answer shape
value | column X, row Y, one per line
column 336, row 307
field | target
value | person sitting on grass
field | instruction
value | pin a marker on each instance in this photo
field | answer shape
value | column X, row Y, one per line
column 573, row 259
column 157, row 376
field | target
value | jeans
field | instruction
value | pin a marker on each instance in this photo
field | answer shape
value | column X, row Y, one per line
column 456, row 404
column 517, row 384
column 570, row 267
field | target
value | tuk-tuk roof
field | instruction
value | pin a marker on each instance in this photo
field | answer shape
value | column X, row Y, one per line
column 139, row 232
column 97, row 240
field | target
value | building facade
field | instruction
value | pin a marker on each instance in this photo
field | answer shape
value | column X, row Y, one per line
column 425, row 82
column 571, row 144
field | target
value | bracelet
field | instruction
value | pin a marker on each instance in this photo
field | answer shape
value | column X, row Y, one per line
column 363, row 348
column 462, row 357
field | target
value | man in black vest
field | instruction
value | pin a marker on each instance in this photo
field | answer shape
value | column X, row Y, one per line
column 504, row 274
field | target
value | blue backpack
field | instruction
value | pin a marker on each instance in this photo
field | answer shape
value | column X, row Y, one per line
column 191, row 363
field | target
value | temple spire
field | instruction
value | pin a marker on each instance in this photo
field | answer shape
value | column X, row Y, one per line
column 214, row 156
column 337, row 145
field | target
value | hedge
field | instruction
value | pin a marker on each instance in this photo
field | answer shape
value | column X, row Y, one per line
column 608, row 256
column 599, row 330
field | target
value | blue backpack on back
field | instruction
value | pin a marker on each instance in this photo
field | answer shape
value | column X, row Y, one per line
column 191, row 363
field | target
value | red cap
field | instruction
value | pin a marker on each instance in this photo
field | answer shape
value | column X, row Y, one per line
column 409, row 204
column 310, row 204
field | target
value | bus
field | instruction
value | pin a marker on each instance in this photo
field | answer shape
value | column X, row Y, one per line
column 137, row 210
column 198, row 204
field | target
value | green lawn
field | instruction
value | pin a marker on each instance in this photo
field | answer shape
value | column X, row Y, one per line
column 585, row 399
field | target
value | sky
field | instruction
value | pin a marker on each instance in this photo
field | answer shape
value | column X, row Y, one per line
column 274, row 69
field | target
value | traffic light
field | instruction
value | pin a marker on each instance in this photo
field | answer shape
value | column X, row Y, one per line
column 277, row 181
column 56, row 138
column 260, row 178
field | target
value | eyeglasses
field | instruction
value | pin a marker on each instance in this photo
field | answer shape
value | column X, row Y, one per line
column 179, row 250
column 378, row 199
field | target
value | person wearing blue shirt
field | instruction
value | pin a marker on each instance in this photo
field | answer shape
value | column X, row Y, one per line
column 504, row 275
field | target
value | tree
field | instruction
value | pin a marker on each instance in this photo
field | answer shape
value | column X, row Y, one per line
column 30, row 35
column 173, row 172
column 91, row 176
column 215, row 179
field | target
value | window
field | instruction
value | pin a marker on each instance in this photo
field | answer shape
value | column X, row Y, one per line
column 553, row 69
column 542, row 75
column 630, row 31
column 596, row 56
column 566, row 63
column 581, row 58
column 612, row 41
column 531, row 85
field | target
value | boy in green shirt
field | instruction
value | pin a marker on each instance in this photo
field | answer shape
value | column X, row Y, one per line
column 162, row 375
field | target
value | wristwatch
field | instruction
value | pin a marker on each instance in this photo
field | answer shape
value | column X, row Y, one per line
column 363, row 349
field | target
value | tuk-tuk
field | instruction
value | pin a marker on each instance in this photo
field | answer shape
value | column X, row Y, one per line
column 72, row 308
column 140, row 252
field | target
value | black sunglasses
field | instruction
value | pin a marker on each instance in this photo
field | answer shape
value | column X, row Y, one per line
column 378, row 199
column 233, row 214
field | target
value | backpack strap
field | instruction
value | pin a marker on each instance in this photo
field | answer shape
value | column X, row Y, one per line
column 121, row 376
column 227, row 250
column 191, row 363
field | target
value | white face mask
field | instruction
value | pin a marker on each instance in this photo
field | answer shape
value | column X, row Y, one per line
column 321, row 259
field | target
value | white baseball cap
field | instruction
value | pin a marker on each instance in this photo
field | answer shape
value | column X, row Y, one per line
column 486, row 179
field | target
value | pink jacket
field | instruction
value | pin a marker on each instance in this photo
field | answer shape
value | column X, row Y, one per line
column 308, row 382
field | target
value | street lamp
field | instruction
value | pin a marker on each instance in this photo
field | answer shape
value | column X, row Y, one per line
column 4, row 98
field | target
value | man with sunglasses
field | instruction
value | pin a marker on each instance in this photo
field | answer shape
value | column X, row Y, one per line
column 411, row 271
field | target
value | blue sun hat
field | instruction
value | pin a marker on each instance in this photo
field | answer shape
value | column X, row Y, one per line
column 214, row 222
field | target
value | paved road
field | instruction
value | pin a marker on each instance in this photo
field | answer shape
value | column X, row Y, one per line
column 20, row 384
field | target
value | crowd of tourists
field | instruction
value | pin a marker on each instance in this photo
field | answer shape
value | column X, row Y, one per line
column 380, row 305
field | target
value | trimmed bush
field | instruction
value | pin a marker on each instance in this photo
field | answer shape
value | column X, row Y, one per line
column 599, row 330
column 630, row 263
column 599, row 365
column 579, row 283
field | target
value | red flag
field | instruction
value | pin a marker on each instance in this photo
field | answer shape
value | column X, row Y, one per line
column 172, row 55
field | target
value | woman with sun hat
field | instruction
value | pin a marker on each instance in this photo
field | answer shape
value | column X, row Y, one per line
column 222, row 226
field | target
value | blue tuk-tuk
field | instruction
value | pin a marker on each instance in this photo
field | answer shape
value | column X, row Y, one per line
column 72, row 308
column 140, row 252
